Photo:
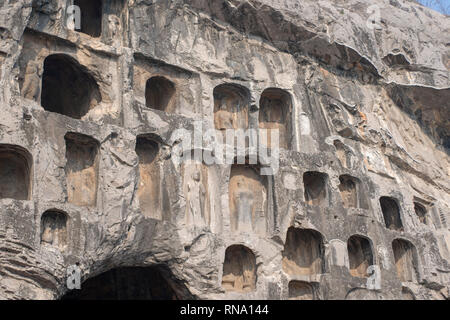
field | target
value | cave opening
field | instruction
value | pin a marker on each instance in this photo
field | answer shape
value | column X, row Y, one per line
column 91, row 16
column 67, row 87
column 131, row 283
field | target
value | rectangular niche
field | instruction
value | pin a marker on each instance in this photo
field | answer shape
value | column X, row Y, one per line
column 275, row 112
column 247, row 192
column 231, row 103
column 315, row 184
column 197, row 193
column 152, row 193
column 352, row 193
column 54, row 228
column 303, row 252
column 405, row 260
column 82, row 155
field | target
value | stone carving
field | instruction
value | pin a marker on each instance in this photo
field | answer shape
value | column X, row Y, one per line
column 248, row 200
column 405, row 260
column 303, row 252
column 82, row 169
column 382, row 94
column 54, row 229
column 275, row 109
column 230, row 107
column 239, row 269
column 360, row 256
column 198, row 207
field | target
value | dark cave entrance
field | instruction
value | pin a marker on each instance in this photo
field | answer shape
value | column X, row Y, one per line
column 131, row 283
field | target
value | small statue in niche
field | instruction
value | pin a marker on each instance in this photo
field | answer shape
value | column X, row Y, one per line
column 54, row 229
column 196, row 198
column 244, row 206
column 224, row 118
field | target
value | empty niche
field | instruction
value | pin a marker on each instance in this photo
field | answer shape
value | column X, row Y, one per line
column 303, row 252
column 421, row 212
column 315, row 184
column 67, row 87
column 239, row 269
column 391, row 213
column 91, row 16
column 15, row 172
column 275, row 111
column 405, row 260
column 196, row 190
column 82, row 169
column 247, row 193
column 153, row 200
column 300, row 290
column 54, row 228
column 360, row 255
column 231, row 103
column 159, row 93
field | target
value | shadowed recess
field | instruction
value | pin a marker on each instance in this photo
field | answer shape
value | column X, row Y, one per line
column 131, row 283
column 67, row 87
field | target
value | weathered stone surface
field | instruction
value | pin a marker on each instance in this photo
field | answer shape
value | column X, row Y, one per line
column 365, row 116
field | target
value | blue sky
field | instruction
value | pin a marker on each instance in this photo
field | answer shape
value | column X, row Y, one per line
column 434, row 5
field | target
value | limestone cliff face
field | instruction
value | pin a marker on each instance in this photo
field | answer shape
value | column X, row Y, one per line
column 87, row 145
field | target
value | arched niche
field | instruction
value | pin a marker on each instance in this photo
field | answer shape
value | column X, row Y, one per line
column 303, row 252
column 82, row 166
column 67, row 87
column 360, row 255
column 159, row 94
column 231, row 106
column 405, row 256
column 239, row 269
column 247, row 192
column 131, row 283
column 315, row 185
column 153, row 200
column 15, row 172
column 391, row 213
column 275, row 112
column 54, row 228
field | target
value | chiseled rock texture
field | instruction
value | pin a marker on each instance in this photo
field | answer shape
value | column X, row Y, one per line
column 86, row 170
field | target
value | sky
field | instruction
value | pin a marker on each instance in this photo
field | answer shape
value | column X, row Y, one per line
column 434, row 4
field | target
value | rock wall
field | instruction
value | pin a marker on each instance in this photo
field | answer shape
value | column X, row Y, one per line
column 87, row 170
